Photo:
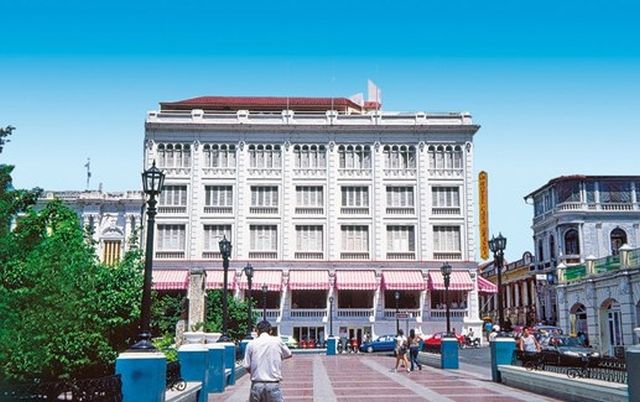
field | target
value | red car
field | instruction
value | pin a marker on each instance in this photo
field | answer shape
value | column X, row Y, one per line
column 433, row 342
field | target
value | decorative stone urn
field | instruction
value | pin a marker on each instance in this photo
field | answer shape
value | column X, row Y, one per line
column 212, row 337
column 194, row 337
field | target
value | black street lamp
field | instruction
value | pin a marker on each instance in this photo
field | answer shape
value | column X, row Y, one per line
column 446, row 274
column 331, row 316
column 264, row 302
column 497, row 245
column 248, row 271
column 225, row 252
column 397, row 297
column 152, row 181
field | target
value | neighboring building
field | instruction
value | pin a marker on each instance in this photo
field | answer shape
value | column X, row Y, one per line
column 601, row 298
column 518, row 291
column 324, row 197
column 580, row 216
column 112, row 217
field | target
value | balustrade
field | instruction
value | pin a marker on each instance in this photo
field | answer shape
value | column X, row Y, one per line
column 390, row 313
column 218, row 210
column 445, row 210
column 354, row 255
column 308, row 313
column 169, row 255
column 408, row 255
column 453, row 313
column 309, row 255
column 401, row 211
column 354, row 210
column 447, row 255
column 263, row 255
column 355, row 312
column 309, row 210
column 211, row 255
column 173, row 209
column 263, row 210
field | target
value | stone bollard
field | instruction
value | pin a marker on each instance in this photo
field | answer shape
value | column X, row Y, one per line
column 215, row 360
column 449, row 353
column 501, row 353
column 230, row 360
column 332, row 346
column 144, row 376
column 243, row 347
column 194, row 366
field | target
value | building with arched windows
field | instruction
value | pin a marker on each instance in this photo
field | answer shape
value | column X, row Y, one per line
column 328, row 199
column 582, row 223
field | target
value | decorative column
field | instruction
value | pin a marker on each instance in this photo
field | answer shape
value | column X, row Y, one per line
column 196, row 296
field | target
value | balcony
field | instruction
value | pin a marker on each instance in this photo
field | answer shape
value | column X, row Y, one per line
column 263, row 255
column 401, row 211
column 354, row 210
column 447, row 255
column 217, row 210
column 172, row 209
column 617, row 207
column 272, row 313
column 405, row 255
column 263, row 210
column 309, row 172
column 390, row 313
column 355, row 313
column 442, row 314
column 354, row 255
column 446, row 211
column 218, row 172
column 176, row 171
column 308, row 313
column 211, row 255
column 309, row 210
column 446, row 173
column 309, row 255
column 400, row 173
column 169, row 255
column 265, row 172
column 354, row 173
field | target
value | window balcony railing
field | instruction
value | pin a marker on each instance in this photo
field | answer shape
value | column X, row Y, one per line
column 390, row 313
column 169, row 255
column 401, row 211
column 309, row 172
column 569, row 206
column 453, row 313
column 605, row 264
column 263, row 255
column 354, row 210
column 272, row 313
column 263, row 210
column 176, row 171
column 211, row 255
column 218, row 172
column 409, row 172
column 364, row 313
column 354, row 255
column 347, row 172
column 309, row 210
column 309, row 255
column 445, row 210
column 265, row 172
column 401, row 255
column 172, row 209
column 308, row 313
column 446, row 172
column 218, row 210
column 447, row 255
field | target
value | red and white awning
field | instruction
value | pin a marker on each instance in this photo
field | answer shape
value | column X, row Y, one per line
column 308, row 280
column 486, row 286
column 169, row 280
column 356, row 280
column 215, row 279
column 459, row 280
column 273, row 280
column 403, row 280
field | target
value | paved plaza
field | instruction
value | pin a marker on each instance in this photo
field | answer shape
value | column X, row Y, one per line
column 369, row 378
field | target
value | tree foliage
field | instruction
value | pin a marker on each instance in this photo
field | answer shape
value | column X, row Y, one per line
column 238, row 310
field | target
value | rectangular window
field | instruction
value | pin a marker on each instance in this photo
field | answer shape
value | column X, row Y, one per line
column 218, row 196
column 446, row 238
column 309, row 196
column 213, row 234
column 171, row 238
column 264, row 196
column 111, row 252
column 445, row 197
column 264, row 237
column 173, row 196
column 400, row 197
column 568, row 191
column 401, row 238
column 309, row 238
column 355, row 238
column 355, row 196
column 590, row 188
column 615, row 192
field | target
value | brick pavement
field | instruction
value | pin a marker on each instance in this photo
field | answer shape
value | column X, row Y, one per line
column 368, row 378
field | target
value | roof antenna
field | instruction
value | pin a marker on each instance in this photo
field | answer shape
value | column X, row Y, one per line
column 88, row 166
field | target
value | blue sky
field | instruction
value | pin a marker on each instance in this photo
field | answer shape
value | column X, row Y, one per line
column 554, row 84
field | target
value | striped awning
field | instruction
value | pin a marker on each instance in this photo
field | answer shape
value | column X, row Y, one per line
column 169, row 280
column 308, row 280
column 459, row 280
column 215, row 279
column 356, row 280
column 273, row 280
column 403, row 280
column 485, row 286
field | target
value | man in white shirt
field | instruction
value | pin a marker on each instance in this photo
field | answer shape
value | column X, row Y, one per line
column 263, row 360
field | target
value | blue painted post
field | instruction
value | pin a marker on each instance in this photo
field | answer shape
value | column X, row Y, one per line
column 243, row 347
column 144, row 376
column 633, row 368
column 501, row 353
column 230, row 360
column 215, row 359
column 194, row 366
column 449, row 353
column 332, row 346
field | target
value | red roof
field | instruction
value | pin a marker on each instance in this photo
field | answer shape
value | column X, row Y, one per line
column 260, row 103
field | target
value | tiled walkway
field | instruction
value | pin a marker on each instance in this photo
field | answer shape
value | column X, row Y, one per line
column 368, row 378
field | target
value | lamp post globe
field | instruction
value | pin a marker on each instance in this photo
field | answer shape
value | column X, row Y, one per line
column 152, row 182
column 248, row 271
column 446, row 269
column 497, row 245
column 225, row 252
column 396, row 296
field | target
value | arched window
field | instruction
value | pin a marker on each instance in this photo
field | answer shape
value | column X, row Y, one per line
column 399, row 157
column 264, row 156
column 618, row 238
column 355, row 157
column 310, row 156
column 432, row 156
column 571, row 242
column 173, row 155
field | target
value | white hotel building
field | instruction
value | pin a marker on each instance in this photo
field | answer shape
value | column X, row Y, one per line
column 324, row 197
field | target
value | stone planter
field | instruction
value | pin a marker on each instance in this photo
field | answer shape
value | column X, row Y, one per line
column 194, row 337
column 212, row 337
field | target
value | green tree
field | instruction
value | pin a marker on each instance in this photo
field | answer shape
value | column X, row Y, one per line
column 238, row 310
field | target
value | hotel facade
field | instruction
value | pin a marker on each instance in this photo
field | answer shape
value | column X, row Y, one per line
column 327, row 199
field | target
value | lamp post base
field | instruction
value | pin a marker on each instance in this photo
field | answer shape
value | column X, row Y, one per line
column 224, row 338
column 143, row 345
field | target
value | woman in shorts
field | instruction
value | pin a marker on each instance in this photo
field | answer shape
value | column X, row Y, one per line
column 402, row 347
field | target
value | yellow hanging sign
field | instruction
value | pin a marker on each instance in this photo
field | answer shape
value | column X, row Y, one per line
column 483, row 212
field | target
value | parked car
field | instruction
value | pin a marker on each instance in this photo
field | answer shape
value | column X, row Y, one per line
column 384, row 343
column 290, row 341
column 567, row 351
column 433, row 342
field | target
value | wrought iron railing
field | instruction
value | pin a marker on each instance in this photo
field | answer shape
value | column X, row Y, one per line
column 604, row 368
column 103, row 389
column 174, row 377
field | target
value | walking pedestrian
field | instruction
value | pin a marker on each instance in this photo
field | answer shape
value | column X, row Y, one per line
column 488, row 326
column 414, row 348
column 401, row 351
column 263, row 360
